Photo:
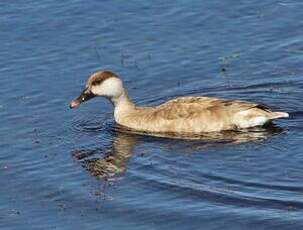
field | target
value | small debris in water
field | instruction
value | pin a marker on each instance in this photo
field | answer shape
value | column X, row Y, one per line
column 98, row 193
column 291, row 208
column 300, row 50
column 102, row 195
column 62, row 206
column 25, row 97
column 226, row 61
column 15, row 212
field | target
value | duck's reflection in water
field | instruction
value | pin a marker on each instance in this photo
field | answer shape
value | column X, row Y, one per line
column 114, row 159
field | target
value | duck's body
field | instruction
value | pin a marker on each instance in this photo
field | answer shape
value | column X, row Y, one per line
column 181, row 115
column 194, row 114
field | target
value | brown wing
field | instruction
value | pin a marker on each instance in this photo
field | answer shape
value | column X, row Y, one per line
column 191, row 107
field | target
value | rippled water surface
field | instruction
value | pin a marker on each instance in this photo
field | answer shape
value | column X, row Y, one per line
column 75, row 169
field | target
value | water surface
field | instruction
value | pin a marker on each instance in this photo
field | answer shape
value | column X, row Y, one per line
column 74, row 169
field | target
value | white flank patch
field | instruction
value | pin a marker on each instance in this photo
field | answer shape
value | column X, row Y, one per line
column 256, row 121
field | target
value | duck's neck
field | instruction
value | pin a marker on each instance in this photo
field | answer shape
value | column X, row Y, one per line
column 123, row 105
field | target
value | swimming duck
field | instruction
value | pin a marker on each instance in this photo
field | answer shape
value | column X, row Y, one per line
column 180, row 115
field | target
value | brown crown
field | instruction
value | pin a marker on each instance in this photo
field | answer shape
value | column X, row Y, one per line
column 100, row 76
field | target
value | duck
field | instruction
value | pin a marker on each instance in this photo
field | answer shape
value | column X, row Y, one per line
column 189, row 114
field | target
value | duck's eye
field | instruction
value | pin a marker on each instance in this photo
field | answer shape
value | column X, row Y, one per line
column 82, row 98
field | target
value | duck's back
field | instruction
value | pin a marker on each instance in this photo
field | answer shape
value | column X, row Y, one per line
column 197, row 114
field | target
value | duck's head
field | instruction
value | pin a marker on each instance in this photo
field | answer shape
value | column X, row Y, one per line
column 102, row 83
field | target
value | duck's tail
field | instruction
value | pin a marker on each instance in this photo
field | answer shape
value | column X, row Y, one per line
column 276, row 115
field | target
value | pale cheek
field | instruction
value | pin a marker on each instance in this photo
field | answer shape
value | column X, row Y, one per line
column 96, row 90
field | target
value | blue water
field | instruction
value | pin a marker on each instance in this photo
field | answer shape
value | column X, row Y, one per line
column 73, row 169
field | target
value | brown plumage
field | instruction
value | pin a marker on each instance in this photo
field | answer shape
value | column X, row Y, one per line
column 100, row 76
column 181, row 115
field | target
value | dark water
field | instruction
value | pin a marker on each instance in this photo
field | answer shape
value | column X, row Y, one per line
column 73, row 169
